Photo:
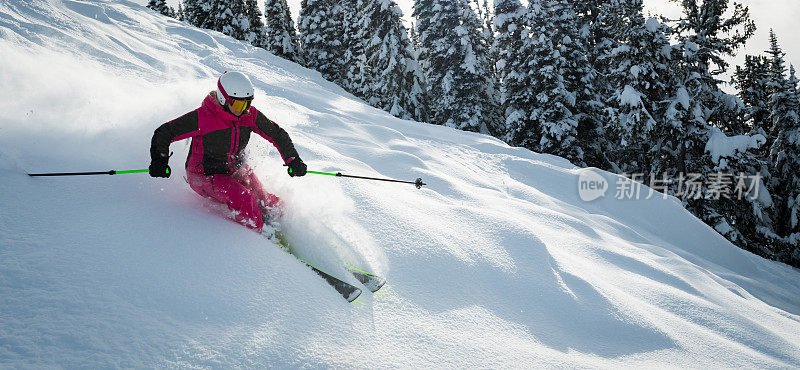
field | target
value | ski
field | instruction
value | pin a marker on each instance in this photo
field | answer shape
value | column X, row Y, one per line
column 348, row 291
column 370, row 281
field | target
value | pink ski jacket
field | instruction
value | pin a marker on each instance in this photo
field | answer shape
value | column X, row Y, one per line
column 219, row 137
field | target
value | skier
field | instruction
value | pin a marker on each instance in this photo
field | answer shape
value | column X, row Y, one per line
column 220, row 130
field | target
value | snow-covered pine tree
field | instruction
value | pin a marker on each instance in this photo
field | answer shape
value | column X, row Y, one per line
column 254, row 34
column 230, row 18
column 457, row 67
column 600, row 23
column 705, row 27
column 484, row 81
column 487, row 16
column 240, row 19
column 552, row 123
column 785, row 151
column 212, row 8
column 199, row 13
column 513, row 45
column 226, row 16
column 321, row 32
column 792, row 254
column 777, row 63
column 785, row 114
column 397, row 83
column 794, row 83
column 777, row 72
column 181, row 14
column 752, row 81
column 737, row 203
column 709, row 39
column 355, row 73
column 682, row 144
column 579, row 79
column 705, row 39
column 638, row 68
column 698, row 109
column 281, row 36
column 208, row 14
column 744, row 219
column 414, row 36
column 161, row 7
column 444, row 56
column 423, row 13
column 484, row 12
column 193, row 12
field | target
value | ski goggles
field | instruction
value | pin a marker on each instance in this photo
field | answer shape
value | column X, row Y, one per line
column 241, row 105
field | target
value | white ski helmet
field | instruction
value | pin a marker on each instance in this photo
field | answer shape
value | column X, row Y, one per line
column 233, row 86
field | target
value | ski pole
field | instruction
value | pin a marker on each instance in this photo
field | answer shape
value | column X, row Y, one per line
column 417, row 183
column 110, row 172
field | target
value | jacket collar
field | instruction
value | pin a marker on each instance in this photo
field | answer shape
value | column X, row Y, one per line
column 210, row 102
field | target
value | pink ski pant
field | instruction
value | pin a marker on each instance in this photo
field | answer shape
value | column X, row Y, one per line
column 241, row 191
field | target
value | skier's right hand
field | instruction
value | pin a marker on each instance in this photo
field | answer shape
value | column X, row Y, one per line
column 159, row 166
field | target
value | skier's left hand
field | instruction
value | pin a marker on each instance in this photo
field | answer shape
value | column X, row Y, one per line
column 297, row 167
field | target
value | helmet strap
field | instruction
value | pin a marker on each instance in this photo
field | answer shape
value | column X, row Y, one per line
column 224, row 94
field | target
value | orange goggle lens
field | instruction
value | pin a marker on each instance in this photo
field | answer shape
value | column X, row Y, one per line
column 240, row 105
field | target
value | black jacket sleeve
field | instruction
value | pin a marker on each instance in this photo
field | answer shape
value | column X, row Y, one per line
column 181, row 127
column 277, row 136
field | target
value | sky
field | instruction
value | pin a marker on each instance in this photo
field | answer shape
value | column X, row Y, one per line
column 781, row 15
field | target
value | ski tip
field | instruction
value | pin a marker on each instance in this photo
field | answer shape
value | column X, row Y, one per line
column 353, row 295
column 371, row 281
column 377, row 285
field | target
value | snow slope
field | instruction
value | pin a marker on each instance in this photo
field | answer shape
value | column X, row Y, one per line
column 496, row 263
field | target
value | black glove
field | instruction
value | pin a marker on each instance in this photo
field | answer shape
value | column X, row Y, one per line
column 297, row 167
column 159, row 166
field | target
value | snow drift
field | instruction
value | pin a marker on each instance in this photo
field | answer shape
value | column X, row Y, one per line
column 496, row 263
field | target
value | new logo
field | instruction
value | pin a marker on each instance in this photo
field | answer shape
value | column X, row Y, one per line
column 591, row 185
